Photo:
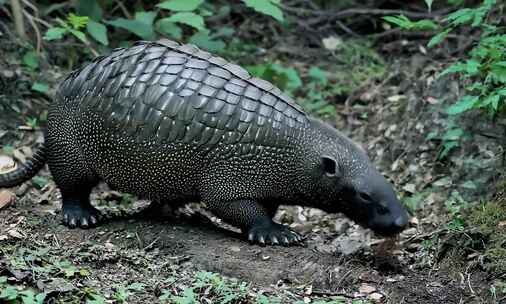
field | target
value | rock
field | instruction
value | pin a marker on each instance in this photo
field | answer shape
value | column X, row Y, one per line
column 341, row 225
column 6, row 198
column 235, row 248
column 8, row 73
column 349, row 244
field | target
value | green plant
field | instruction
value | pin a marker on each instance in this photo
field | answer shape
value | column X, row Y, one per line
column 215, row 288
column 73, row 25
column 449, row 139
column 483, row 70
column 123, row 292
column 286, row 79
column 12, row 294
column 455, row 206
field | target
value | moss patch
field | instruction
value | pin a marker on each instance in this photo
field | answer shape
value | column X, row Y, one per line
column 490, row 219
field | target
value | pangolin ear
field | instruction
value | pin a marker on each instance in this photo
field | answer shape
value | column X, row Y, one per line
column 329, row 166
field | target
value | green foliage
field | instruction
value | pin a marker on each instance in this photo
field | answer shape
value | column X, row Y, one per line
column 208, row 287
column 405, row 23
column 123, row 292
column 455, row 206
column 12, row 294
column 267, row 7
column 287, row 79
column 40, row 87
column 489, row 217
column 169, row 17
column 180, row 5
column 98, row 31
column 31, row 60
column 449, row 139
column 73, row 25
column 482, row 71
column 141, row 25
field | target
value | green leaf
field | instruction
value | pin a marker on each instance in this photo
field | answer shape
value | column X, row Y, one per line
column 54, row 33
column 224, row 31
column 8, row 293
column 180, row 5
column 294, row 81
column 460, row 16
column 438, row 38
column 98, row 31
column 472, row 66
column 31, row 60
column 453, row 134
column 142, row 26
column 266, row 7
column 40, row 87
column 203, row 40
column 90, row 8
column 40, row 181
column 465, row 103
column 401, row 21
column 318, row 74
column 170, row 28
column 492, row 102
column 498, row 71
column 454, row 68
column 79, row 35
column 77, row 22
column 39, row 299
column 136, row 27
column 188, row 18
column 146, row 17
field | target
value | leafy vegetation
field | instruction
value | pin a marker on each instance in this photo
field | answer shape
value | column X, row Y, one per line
column 482, row 71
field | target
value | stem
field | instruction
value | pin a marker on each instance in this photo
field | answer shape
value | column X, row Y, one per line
column 17, row 13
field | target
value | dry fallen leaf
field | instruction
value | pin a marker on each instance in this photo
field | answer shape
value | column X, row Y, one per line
column 6, row 198
column 332, row 43
column 366, row 288
column 15, row 233
column 7, row 164
column 376, row 296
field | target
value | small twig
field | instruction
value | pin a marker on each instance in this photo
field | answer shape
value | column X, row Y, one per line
column 346, row 29
column 343, row 278
column 123, row 9
column 33, row 7
column 469, row 283
column 331, row 293
column 36, row 29
column 17, row 12
column 139, row 240
column 46, row 24
column 151, row 244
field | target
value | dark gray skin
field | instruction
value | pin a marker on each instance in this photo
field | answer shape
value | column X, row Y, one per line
column 175, row 124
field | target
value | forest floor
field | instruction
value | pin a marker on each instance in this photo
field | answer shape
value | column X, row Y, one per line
column 141, row 259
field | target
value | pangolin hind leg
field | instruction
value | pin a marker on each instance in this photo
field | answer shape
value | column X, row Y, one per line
column 70, row 171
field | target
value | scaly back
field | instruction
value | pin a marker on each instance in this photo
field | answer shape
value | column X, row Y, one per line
column 178, row 93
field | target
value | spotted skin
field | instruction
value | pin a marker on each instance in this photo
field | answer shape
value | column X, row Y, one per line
column 173, row 123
